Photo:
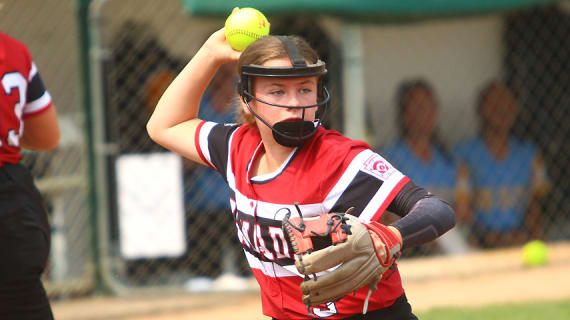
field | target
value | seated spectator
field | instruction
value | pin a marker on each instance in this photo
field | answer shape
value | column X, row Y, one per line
column 420, row 153
column 504, row 176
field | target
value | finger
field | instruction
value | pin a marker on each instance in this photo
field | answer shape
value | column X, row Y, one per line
column 323, row 259
column 359, row 243
column 351, row 276
column 359, row 267
column 326, row 296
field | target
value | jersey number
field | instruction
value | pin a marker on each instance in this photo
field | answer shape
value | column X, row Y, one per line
column 325, row 310
column 11, row 81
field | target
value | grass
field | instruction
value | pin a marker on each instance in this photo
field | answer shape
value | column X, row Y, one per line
column 551, row 310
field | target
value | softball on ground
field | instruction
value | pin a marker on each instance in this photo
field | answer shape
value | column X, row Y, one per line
column 535, row 253
column 244, row 26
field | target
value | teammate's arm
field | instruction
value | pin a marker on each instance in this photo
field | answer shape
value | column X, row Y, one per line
column 41, row 131
column 174, row 122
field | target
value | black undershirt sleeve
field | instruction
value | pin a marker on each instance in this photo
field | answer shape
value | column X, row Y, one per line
column 425, row 217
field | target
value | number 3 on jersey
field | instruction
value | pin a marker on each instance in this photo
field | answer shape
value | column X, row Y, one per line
column 14, row 83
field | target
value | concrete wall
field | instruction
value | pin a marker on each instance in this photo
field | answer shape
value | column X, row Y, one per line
column 456, row 56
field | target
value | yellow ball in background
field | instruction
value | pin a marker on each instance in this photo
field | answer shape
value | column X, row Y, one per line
column 244, row 26
column 535, row 253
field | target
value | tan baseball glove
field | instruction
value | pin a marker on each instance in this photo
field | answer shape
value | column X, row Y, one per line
column 339, row 239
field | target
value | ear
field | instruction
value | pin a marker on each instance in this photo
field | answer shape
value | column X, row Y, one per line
column 244, row 107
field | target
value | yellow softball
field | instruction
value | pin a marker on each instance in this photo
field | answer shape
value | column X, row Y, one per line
column 244, row 26
column 535, row 253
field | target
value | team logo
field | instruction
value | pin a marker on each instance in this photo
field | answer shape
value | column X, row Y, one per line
column 375, row 165
column 380, row 166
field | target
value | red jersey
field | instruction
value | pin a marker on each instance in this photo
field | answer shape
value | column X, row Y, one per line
column 330, row 173
column 22, row 95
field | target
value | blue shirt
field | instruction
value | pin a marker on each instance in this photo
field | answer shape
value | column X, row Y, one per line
column 438, row 175
column 205, row 189
column 501, row 188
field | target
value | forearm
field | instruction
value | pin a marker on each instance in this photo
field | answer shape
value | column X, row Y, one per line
column 429, row 219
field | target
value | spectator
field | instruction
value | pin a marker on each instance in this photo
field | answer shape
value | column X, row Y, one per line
column 505, row 176
column 420, row 153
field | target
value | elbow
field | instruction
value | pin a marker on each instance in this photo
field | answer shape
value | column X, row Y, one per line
column 441, row 212
column 152, row 131
column 53, row 143
column 448, row 216
column 47, row 142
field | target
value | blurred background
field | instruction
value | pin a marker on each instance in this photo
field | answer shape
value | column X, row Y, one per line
column 470, row 99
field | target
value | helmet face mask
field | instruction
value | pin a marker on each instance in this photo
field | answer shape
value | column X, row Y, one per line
column 287, row 133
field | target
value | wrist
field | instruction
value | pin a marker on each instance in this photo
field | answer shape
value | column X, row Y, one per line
column 396, row 233
column 387, row 242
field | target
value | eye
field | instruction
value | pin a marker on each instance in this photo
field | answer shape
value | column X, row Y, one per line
column 276, row 92
column 305, row 90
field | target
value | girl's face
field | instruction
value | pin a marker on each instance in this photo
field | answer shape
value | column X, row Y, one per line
column 284, row 91
column 499, row 109
column 420, row 112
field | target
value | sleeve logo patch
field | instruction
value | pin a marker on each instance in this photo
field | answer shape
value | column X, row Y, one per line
column 376, row 166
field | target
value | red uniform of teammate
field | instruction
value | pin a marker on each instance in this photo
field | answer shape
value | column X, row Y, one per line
column 27, row 119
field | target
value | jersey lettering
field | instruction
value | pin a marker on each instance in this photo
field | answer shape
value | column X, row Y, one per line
column 266, row 241
column 245, row 233
column 282, row 251
column 15, row 83
column 260, row 243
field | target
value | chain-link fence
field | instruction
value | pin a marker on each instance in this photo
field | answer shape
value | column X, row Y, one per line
column 494, row 151
column 475, row 109
column 142, row 51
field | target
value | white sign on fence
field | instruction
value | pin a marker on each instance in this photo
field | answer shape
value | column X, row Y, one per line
column 151, row 205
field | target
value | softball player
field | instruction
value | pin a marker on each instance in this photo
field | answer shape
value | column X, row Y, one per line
column 24, row 231
column 278, row 155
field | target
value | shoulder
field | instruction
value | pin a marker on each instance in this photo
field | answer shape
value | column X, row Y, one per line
column 331, row 145
column 242, row 138
column 7, row 40
column 334, row 155
column 523, row 150
column 10, row 44
column 522, row 146
column 15, row 50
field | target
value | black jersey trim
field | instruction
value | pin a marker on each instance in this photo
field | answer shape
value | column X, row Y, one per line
column 360, row 190
column 407, row 198
column 220, row 136
column 36, row 89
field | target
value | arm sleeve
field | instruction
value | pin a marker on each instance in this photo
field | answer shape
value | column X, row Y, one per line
column 428, row 218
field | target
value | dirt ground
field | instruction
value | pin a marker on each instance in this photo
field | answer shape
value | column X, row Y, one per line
column 469, row 280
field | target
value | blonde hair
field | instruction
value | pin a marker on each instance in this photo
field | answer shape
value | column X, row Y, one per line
column 265, row 49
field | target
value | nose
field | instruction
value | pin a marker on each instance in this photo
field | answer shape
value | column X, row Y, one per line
column 293, row 100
